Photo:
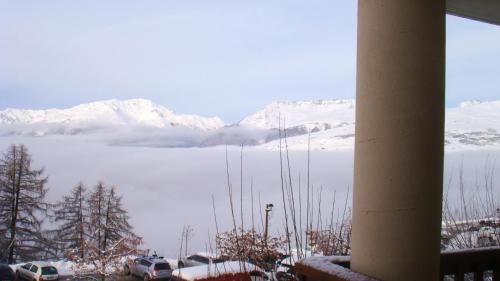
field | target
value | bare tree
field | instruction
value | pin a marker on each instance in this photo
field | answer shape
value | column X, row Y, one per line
column 72, row 215
column 112, row 237
column 187, row 235
column 97, row 215
column 473, row 219
column 22, row 193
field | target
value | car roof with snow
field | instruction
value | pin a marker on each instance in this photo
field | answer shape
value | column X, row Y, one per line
column 214, row 270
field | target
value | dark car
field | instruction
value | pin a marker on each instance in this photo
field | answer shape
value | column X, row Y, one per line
column 6, row 273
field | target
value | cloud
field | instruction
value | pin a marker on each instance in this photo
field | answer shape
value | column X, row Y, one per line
column 165, row 189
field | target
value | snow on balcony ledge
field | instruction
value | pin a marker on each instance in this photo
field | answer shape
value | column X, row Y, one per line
column 331, row 268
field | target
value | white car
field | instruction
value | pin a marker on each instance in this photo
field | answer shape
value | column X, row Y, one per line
column 37, row 272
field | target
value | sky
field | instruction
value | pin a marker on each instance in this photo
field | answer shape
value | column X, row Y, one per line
column 212, row 58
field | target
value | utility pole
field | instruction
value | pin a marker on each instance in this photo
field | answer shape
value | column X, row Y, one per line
column 269, row 208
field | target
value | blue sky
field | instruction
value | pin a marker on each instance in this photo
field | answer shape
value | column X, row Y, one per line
column 224, row 58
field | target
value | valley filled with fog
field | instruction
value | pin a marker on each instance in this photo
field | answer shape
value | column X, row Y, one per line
column 166, row 188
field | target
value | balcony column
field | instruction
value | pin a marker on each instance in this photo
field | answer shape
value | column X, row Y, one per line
column 399, row 139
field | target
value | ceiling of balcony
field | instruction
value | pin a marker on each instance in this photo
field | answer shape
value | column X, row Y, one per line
column 480, row 10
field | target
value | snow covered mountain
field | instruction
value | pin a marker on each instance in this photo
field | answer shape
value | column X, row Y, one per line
column 471, row 125
column 330, row 122
column 98, row 115
column 322, row 113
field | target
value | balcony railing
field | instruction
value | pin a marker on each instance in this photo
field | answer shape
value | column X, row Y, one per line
column 482, row 263
column 471, row 264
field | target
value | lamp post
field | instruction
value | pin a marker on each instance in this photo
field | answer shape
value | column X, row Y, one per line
column 269, row 208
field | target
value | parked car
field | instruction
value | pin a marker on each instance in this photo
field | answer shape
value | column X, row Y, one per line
column 37, row 272
column 172, row 262
column 200, row 258
column 487, row 236
column 6, row 273
column 149, row 268
column 223, row 271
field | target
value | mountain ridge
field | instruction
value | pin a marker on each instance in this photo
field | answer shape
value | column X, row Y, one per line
column 470, row 125
column 113, row 112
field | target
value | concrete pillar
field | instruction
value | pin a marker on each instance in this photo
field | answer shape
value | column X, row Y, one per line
column 399, row 139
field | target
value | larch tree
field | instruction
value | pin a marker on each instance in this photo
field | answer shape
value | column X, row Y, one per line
column 22, row 193
column 72, row 232
column 116, row 227
column 112, row 235
column 97, row 214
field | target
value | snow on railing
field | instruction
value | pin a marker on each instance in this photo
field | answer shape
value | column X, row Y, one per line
column 332, row 268
column 458, row 265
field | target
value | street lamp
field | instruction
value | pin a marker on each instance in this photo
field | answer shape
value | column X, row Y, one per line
column 269, row 208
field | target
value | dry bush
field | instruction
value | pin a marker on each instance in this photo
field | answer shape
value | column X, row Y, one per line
column 248, row 245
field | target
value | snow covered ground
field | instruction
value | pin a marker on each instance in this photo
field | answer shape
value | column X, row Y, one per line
column 167, row 188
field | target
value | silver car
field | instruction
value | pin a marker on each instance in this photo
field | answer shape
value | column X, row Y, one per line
column 149, row 268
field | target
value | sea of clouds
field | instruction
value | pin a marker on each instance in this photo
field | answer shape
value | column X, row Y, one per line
column 165, row 189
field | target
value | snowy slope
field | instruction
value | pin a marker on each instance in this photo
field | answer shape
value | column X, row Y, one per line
column 331, row 123
column 109, row 113
column 322, row 113
column 471, row 125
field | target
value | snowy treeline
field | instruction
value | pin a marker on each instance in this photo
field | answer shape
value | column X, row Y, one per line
column 88, row 227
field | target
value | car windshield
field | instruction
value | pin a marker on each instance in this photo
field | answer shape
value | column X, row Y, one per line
column 48, row 270
column 162, row 266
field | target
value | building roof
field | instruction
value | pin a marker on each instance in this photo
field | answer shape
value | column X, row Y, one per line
column 480, row 10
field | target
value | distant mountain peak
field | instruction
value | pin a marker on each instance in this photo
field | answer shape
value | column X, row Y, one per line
column 320, row 102
column 469, row 103
column 480, row 105
column 113, row 112
column 294, row 113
